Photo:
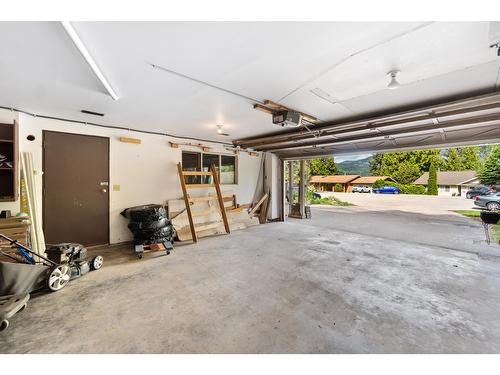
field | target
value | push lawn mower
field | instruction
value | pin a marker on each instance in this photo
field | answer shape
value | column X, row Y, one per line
column 65, row 261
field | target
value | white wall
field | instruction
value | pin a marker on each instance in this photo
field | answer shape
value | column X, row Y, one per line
column 146, row 173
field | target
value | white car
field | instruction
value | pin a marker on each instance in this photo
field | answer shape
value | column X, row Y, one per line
column 361, row 189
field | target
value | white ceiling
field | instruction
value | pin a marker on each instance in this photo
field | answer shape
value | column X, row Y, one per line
column 41, row 71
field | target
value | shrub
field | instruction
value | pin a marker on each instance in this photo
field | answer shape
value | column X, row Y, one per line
column 432, row 188
column 338, row 188
column 412, row 189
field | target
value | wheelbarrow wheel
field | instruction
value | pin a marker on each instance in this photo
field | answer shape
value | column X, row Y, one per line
column 4, row 324
column 58, row 277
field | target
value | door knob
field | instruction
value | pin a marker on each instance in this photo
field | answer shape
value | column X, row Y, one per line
column 104, row 190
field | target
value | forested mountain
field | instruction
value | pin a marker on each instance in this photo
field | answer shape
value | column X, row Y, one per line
column 361, row 166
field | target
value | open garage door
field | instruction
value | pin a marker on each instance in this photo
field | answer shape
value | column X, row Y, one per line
column 469, row 121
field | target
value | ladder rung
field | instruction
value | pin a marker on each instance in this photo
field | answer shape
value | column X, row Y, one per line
column 204, row 212
column 226, row 198
column 202, row 199
column 208, row 226
column 192, row 186
column 196, row 173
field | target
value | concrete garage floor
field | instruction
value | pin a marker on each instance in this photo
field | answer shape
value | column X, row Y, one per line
column 293, row 287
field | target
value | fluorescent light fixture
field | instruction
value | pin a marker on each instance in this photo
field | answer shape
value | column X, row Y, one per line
column 86, row 55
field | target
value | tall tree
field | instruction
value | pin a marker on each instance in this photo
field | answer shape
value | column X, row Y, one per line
column 322, row 166
column 406, row 173
column 406, row 167
column 470, row 158
column 453, row 161
column 432, row 187
column 376, row 164
column 490, row 172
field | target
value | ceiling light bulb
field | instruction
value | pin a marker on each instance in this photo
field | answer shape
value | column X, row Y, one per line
column 394, row 84
column 219, row 129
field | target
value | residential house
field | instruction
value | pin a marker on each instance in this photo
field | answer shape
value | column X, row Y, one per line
column 370, row 180
column 327, row 183
column 452, row 183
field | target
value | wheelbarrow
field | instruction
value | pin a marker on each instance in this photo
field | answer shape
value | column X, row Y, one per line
column 11, row 305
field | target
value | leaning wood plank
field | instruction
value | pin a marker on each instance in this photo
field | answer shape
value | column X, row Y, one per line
column 265, row 208
column 184, row 233
column 237, row 221
column 38, row 210
column 219, row 195
column 208, row 226
column 186, row 202
column 256, row 207
column 29, row 198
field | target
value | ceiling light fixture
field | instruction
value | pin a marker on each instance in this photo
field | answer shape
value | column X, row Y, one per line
column 220, row 131
column 86, row 55
column 394, row 84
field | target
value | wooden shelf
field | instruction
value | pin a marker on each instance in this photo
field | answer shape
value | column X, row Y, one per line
column 6, row 169
column 6, row 141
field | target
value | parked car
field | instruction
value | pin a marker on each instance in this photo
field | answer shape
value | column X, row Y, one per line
column 479, row 190
column 361, row 189
column 490, row 201
column 387, row 190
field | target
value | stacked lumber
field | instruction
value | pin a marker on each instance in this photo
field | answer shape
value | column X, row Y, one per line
column 206, row 216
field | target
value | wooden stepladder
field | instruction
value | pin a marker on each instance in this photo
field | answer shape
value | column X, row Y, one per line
column 188, row 200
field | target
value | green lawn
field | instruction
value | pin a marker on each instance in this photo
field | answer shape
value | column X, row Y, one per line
column 468, row 213
column 474, row 214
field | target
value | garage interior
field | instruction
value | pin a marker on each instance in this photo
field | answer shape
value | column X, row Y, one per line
column 97, row 121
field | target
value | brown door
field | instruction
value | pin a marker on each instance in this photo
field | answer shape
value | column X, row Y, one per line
column 75, row 188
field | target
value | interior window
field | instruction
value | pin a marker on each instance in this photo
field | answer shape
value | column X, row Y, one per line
column 228, row 169
column 208, row 160
column 191, row 161
column 224, row 164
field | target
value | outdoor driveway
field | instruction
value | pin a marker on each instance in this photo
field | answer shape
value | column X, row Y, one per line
column 417, row 219
column 428, row 204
